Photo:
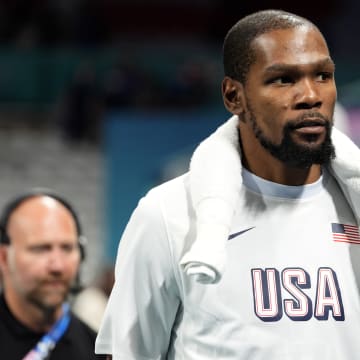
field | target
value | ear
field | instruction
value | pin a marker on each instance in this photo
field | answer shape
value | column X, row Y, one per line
column 3, row 257
column 233, row 96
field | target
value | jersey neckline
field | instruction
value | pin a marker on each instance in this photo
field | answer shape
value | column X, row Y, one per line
column 269, row 188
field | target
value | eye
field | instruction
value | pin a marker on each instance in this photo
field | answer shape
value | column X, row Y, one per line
column 39, row 249
column 281, row 80
column 323, row 76
column 68, row 248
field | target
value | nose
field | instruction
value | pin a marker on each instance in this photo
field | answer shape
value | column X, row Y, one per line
column 56, row 261
column 307, row 96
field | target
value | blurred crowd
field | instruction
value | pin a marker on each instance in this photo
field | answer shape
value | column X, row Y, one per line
column 127, row 85
column 54, row 23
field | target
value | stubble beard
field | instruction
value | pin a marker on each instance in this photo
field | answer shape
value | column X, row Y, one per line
column 47, row 302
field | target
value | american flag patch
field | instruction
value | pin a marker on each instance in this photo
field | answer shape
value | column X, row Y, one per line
column 345, row 233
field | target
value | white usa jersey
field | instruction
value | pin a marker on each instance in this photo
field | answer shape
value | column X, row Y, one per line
column 290, row 289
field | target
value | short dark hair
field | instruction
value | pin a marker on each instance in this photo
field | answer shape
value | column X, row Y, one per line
column 238, row 53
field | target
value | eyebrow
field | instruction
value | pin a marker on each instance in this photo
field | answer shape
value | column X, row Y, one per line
column 279, row 67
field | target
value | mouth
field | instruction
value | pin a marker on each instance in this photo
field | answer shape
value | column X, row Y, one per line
column 310, row 126
column 55, row 284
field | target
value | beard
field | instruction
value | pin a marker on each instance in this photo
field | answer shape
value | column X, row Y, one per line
column 48, row 300
column 298, row 155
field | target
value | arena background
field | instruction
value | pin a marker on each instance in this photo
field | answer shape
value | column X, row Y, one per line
column 103, row 99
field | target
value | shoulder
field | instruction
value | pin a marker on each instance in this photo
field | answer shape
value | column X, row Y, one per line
column 164, row 208
column 168, row 209
column 78, row 342
column 80, row 330
column 173, row 193
column 158, row 230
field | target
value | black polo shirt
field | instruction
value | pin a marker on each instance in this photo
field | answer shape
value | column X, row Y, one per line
column 16, row 340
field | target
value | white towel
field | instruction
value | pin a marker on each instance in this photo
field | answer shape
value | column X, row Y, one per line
column 215, row 182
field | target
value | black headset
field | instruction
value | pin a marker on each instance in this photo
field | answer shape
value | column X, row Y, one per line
column 13, row 203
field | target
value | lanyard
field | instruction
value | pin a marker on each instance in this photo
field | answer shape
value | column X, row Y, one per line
column 47, row 343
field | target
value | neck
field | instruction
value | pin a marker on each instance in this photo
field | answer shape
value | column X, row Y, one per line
column 31, row 315
column 284, row 174
column 260, row 162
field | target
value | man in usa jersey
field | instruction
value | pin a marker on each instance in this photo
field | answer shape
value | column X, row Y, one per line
column 254, row 253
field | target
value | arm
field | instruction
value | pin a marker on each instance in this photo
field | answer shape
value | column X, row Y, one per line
column 142, row 307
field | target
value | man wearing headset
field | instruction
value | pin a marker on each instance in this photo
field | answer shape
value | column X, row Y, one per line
column 40, row 253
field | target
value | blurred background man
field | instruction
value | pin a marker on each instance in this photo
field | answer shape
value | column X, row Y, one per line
column 41, row 249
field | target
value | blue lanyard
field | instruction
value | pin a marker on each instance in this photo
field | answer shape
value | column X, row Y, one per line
column 47, row 343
